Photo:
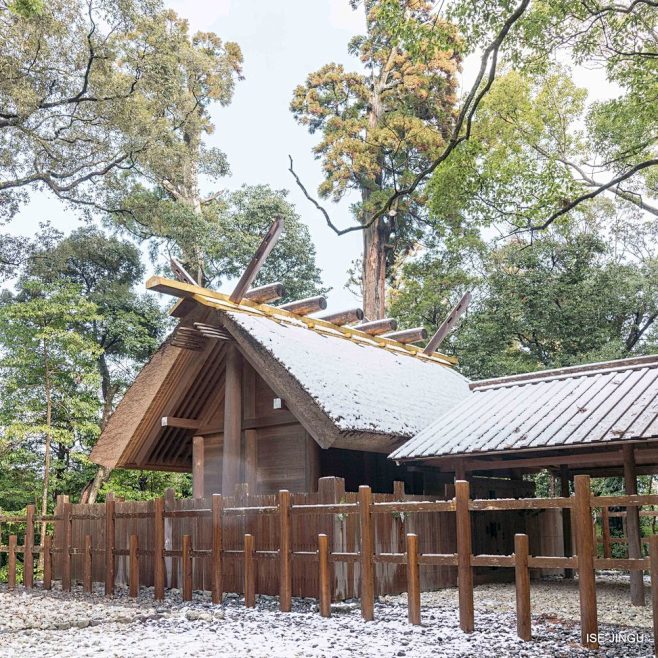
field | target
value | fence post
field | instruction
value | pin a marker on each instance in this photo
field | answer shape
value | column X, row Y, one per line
column 464, row 548
column 66, row 549
column 134, row 566
column 110, row 529
column 367, row 549
column 522, row 578
column 216, row 559
column 158, row 550
column 586, row 581
column 325, row 591
column 605, row 531
column 187, row 567
column 285, row 572
column 87, row 577
column 47, row 562
column 413, row 579
column 249, row 584
column 28, row 549
column 11, row 562
column 653, row 561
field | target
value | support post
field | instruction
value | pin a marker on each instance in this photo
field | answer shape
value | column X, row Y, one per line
column 413, row 580
column 522, row 577
column 109, row 545
column 653, row 560
column 285, row 572
column 87, row 566
column 464, row 549
column 249, row 581
column 605, row 532
column 66, row 549
column 11, row 562
column 47, row 562
column 216, row 558
column 589, row 626
column 367, row 550
column 633, row 525
column 566, row 518
column 323, row 560
column 187, row 567
column 198, row 467
column 134, row 566
column 251, row 460
column 232, row 421
column 28, row 547
column 158, row 549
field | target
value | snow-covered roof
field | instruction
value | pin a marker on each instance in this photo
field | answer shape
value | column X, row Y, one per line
column 359, row 386
column 568, row 407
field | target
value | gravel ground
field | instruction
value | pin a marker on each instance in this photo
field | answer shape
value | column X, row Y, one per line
column 54, row 623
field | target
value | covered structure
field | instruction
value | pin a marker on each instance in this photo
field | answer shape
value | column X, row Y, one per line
column 600, row 419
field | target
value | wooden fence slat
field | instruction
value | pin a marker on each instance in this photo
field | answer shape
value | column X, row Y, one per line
column 464, row 549
column 522, row 580
column 586, row 579
column 367, row 550
column 323, row 573
column 249, row 580
column 159, row 568
column 413, row 579
column 187, row 568
column 28, row 555
column 110, row 530
column 66, row 548
column 87, row 565
column 11, row 562
column 285, row 571
column 134, row 566
column 47, row 562
column 216, row 580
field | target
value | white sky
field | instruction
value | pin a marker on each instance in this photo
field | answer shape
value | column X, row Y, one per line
column 282, row 41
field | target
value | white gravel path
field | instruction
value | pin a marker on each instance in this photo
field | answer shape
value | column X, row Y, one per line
column 48, row 624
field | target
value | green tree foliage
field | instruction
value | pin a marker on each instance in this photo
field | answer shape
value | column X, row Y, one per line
column 384, row 124
column 227, row 233
column 94, row 90
column 49, row 407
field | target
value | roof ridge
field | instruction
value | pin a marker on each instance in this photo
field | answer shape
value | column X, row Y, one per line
column 557, row 373
column 222, row 301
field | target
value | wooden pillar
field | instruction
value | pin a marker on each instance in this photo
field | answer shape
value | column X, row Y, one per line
column 633, row 525
column 367, row 550
column 198, row 467
column 324, row 595
column 413, row 580
column 285, row 566
column 460, row 471
column 566, row 518
column 232, row 421
column 464, row 550
column 28, row 555
column 251, row 460
column 522, row 580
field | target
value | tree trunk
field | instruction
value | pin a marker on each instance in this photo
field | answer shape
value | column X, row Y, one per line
column 374, row 271
column 47, row 450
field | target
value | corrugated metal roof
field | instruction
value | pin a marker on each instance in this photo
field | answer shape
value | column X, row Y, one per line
column 359, row 386
column 571, row 406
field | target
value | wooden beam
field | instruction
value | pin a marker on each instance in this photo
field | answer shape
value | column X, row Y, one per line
column 344, row 317
column 407, row 335
column 305, row 306
column 633, row 525
column 212, row 331
column 181, row 273
column 448, row 324
column 377, row 327
column 232, row 421
column 182, row 423
column 258, row 259
column 198, row 467
column 266, row 294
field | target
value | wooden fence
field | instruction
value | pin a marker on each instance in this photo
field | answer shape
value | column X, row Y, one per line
column 221, row 562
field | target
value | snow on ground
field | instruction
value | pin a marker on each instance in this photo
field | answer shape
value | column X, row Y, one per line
column 47, row 624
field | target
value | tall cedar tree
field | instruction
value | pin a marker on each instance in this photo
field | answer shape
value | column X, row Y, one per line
column 384, row 124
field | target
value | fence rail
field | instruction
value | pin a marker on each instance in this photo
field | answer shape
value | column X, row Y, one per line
column 582, row 505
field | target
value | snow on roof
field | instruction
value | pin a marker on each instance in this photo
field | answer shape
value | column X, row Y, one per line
column 360, row 387
column 567, row 407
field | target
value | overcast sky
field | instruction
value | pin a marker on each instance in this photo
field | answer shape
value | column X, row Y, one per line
column 281, row 42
